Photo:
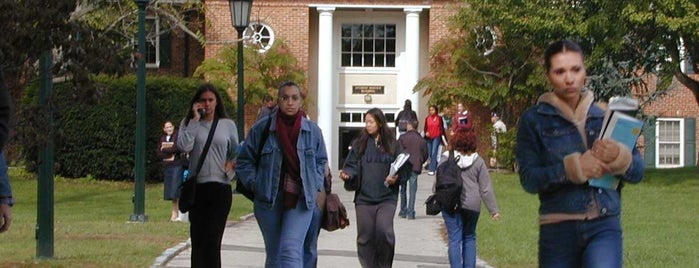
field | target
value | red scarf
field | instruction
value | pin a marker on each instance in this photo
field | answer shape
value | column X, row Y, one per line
column 288, row 129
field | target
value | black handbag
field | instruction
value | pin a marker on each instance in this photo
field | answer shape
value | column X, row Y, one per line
column 188, row 188
column 432, row 206
column 335, row 214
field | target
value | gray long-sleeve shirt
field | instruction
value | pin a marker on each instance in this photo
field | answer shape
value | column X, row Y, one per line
column 223, row 147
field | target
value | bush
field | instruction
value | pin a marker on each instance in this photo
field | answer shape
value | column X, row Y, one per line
column 96, row 135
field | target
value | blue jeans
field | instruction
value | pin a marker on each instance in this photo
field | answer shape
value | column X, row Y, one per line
column 461, row 230
column 284, row 231
column 409, row 200
column 5, row 188
column 594, row 243
column 310, row 246
column 433, row 151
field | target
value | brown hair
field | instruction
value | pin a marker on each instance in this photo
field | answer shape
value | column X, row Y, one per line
column 464, row 141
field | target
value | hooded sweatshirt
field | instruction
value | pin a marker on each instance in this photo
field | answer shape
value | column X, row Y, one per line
column 476, row 182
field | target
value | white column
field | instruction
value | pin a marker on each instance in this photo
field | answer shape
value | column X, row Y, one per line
column 326, row 93
column 412, row 53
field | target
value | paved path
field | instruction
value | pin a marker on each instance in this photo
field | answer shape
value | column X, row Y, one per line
column 418, row 242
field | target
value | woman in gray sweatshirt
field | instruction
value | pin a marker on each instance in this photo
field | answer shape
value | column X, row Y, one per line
column 476, row 188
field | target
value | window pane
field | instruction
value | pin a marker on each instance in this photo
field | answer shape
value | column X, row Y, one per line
column 346, row 44
column 390, row 60
column 357, row 45
column 391, row 31
column 380, row 30
column 379, row 45
column 346, row 30
column 356, row 31
column 391, row 45
column 379, row 60
column 368, row 60
column 357, row 59
column 368, row 45
column 368, row 31
column 346, row 59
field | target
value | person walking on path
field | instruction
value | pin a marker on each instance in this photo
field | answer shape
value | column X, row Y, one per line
column 404, row 117
column 476, row 188
column 434, row 132
column 267, row 109
column 498, row 128
column 558, row 153
column 286, row 176
column 416, row 146
column 366, row 171
column 213, row 198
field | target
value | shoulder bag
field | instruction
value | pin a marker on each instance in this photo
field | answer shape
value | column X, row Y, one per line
column 188, row 188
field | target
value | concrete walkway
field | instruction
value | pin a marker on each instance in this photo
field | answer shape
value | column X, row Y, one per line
column 418, row 242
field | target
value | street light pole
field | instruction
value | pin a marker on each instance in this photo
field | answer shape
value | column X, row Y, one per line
column 140, row 159
column 240, row 17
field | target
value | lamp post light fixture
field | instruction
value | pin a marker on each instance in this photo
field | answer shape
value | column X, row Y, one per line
column 240, row 17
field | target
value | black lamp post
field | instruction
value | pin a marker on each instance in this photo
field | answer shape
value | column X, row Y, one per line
column 240, row 17
column 139, row 198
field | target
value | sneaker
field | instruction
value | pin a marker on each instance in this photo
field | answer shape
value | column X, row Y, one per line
column 401, row 214
column 431, row 173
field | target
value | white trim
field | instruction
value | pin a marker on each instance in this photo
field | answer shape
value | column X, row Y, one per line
column 370, row 6
column 681, row 142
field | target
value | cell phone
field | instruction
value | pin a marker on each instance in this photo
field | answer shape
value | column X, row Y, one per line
column 202, row 113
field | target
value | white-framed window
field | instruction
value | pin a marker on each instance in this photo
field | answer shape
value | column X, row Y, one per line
column 669, row 145
column 259, row 36
column 152, row 55
column 368, row 45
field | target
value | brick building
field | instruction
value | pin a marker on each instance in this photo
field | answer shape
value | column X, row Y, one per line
column 357, row 54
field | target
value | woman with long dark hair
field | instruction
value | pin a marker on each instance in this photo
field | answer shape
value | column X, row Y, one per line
column 213, row 197
column 366, row 172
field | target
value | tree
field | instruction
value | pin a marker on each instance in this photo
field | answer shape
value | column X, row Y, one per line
column 501, row 61
column 264, row 72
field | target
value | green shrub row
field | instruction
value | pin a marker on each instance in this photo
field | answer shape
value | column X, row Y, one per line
column 95, row 133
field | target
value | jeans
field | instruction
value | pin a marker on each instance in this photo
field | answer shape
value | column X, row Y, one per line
column 284, row 231
column 433, row 151
column 461, row 230
column 310, row 246
column 408, row 199
column 593, row 243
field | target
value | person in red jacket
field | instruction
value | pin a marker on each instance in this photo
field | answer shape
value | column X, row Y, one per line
column 434, row 130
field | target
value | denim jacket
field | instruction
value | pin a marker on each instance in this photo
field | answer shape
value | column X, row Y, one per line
column 545, row 136
column 263, row 177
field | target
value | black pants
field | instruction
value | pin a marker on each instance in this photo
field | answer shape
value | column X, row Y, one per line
column 207, row 218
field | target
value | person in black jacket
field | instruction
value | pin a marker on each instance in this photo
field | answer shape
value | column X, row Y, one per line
column 367, row 172
column 415, row 145
column 404, row 116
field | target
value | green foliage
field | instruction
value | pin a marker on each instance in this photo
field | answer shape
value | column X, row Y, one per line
column 97, row 137
column 264, row 72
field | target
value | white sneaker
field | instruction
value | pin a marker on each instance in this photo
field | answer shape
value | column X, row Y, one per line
column 431, row 173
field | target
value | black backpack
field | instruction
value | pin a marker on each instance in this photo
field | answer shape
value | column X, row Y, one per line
column 448, row 184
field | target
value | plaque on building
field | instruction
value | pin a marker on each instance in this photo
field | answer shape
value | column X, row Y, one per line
column 367, row 89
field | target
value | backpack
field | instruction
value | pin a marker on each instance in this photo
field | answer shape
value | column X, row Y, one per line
column 448, row 184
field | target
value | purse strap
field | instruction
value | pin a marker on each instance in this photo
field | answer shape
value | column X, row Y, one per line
column 207, row 145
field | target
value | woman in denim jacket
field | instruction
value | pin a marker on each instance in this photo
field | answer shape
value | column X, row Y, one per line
column 286, row 176
column 558, row 153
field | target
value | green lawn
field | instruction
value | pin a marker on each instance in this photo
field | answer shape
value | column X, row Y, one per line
column 91, row 224
column 660, row 217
